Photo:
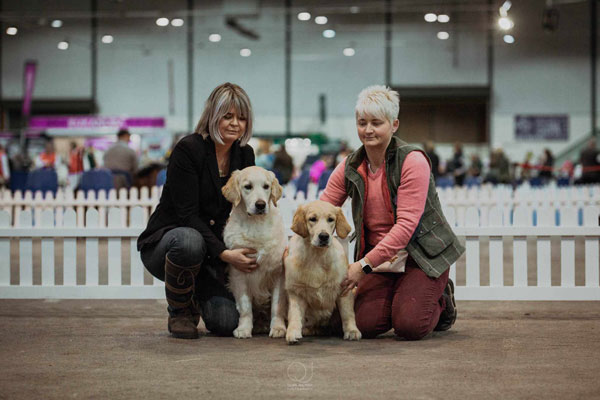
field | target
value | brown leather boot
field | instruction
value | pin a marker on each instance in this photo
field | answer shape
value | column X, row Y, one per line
column 179, row 290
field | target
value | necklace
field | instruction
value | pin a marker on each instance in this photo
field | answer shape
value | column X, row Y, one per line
column 223, row 167
column 223, row 163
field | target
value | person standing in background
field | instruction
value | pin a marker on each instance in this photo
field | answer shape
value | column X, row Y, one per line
column 4, row 168
column 75, row 164
column 433, row 157
column 457, row 165
column 283, row 165
column 475, row 167
column 590, row 161
column 264, row 156
column 48, row 158
column 121, row 160
column 547, row 166
column 89, row 158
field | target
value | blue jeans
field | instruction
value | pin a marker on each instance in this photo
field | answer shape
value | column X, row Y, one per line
column 186, row 247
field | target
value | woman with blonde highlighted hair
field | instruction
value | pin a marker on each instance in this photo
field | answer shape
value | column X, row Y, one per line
column 404, row 246
column 183, row 243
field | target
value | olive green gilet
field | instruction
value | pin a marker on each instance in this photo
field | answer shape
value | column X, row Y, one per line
column 433, row 246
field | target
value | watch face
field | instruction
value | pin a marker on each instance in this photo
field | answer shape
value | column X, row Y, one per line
column 367, row 269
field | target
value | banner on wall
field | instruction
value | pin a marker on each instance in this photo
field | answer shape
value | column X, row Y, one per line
column 542, row 127
column 28, row 85
column 91, row 122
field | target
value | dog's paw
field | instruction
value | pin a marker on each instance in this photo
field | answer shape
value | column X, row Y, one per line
column 352, row 334
column 202, row 327
column 242, row 332
column 293, row 335
column 277, row 332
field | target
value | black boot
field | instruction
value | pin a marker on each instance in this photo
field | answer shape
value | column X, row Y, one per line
column 179, row 289
column 448, row 315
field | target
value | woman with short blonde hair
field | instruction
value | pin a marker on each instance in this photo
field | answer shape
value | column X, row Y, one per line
column 404, row 246
column 183, row 242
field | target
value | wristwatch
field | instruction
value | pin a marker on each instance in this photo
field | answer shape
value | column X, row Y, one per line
column 367, row 269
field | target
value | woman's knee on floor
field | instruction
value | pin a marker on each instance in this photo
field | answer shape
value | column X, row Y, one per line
column 411, row 328
column 371, row 323
column 186, row 246
column 220, row 316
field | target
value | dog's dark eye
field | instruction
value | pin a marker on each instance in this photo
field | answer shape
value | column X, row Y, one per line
column 313, row 219
column 330, row 219
column 248, row 186
column 265, row 187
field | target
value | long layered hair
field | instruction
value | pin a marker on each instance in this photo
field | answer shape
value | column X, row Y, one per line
column 220, row 101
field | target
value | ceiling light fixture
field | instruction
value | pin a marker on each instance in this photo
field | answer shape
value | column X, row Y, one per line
column 443, row 35
column 304, row 16
column 321, row 20
column 505, row 23
column 162, row 21
column 349, row 52
column 214, row 37
column 107, row 39
column 510, row 39
column 329, row 33
column 430, row 17
column 64, row 45
column 11, row 30
column 57, row 23
column 245, row 52
column 177, row 22
column 443, row 18
column 505, row 7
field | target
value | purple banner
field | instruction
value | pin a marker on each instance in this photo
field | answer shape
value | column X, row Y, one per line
column 86, row 122
column 28, row 85
column 11, row 135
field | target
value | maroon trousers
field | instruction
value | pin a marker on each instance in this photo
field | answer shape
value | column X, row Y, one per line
column 409, row 302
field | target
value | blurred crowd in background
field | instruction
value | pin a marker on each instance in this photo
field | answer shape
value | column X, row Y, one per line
column 122, row 166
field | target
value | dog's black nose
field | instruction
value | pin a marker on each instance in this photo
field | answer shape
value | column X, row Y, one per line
column 260, row 205
column 323, row 237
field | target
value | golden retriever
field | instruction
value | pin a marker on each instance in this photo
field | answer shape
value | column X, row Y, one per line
column 314, row 269
column 255, row 222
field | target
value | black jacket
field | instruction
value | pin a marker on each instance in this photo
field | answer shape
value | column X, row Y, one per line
column 192, row 194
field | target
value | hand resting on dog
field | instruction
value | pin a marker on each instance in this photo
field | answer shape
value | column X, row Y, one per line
column 242, row 259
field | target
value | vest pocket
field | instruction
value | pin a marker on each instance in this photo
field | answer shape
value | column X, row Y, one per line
column 434, row 235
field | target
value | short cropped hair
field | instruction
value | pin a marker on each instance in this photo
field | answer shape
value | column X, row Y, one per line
column 122, row 132
column 220, row 101
column 378, row 101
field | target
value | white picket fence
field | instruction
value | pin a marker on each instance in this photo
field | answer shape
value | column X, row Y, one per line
column 505, row 196
column 37, row 202
column 484, row 198
column 51, row 227
column 66, row 229
column 498, row 229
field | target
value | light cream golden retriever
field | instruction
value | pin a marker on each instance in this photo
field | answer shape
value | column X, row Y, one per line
column 314, row 269
column 255, row 222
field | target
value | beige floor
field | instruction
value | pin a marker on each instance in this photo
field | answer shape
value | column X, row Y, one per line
column 121, row 350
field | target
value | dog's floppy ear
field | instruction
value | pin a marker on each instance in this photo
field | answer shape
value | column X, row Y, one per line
column 276, row 189
column 342, row 226
column 299, row 222
column 231, row 190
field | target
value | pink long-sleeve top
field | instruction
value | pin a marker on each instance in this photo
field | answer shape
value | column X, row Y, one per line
column 386, row 235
